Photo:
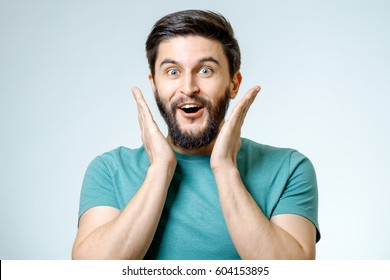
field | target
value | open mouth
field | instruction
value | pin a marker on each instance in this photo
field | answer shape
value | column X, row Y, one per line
column 190, row 108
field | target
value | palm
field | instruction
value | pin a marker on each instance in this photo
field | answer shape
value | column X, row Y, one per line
column 157, row 147
column 228, row 141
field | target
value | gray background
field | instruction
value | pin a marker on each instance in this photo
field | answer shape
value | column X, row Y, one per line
column 66, row 69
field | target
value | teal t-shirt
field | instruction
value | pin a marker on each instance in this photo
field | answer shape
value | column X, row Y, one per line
column 192, row 226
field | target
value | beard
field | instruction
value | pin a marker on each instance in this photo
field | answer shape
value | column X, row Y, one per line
column 190, row 140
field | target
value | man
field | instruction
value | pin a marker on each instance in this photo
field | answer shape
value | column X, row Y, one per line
column 202, row 192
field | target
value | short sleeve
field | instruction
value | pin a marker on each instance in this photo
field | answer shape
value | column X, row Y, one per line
column 97, row 188
column 300, row 195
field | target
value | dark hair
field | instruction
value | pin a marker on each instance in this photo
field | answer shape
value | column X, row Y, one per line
column 207, row 24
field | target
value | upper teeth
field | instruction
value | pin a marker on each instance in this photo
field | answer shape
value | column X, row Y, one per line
column 187, row 106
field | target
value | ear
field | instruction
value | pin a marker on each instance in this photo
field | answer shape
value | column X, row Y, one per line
column 152, row 84
column 236, row 82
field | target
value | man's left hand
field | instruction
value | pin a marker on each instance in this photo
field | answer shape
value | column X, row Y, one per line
column 228, row 142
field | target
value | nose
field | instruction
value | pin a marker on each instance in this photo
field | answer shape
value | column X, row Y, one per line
column 189, row 85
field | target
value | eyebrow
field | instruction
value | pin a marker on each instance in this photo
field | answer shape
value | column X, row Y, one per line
column 202, row 60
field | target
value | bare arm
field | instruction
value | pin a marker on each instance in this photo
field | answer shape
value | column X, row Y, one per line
column 254, row 236
column 286, row 236
column 107, row 233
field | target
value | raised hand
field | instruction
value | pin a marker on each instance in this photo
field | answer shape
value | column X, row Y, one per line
column 156, row 146
column 228, row 142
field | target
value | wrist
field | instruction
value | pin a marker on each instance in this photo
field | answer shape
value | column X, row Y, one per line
column 225, row 170
column 160, row 174
column 163, row 166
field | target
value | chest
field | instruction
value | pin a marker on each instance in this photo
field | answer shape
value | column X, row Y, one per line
column 192, row 225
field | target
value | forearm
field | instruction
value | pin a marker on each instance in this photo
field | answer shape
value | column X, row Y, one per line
column 129, row 234
column 254, row 236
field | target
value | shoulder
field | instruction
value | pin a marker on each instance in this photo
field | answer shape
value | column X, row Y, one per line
column 279, row 159
column 114, row 159
column 122, row 152
column 252, row 146
column 290, row 176
column 109, row 176
column 252, row 149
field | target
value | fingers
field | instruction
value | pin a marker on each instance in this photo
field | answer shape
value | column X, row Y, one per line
column 137, row 95
column 144, row 113
column 139, row 98
column 136, row 92
column 154, row 142
column 241, row 109
column 140, row 105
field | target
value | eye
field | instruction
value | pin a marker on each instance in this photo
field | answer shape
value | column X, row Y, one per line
column 205, row 71
column 173, row 72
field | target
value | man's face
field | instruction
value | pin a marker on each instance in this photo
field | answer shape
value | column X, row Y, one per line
column 193, row 87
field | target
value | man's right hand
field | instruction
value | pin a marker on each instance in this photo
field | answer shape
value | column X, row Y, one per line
column 108, row 233
column 156, row 146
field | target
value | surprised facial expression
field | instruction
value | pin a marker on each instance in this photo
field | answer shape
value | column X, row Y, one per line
column 193, row 88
